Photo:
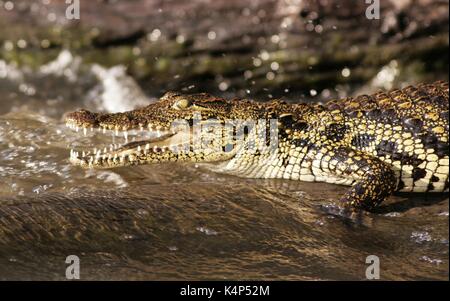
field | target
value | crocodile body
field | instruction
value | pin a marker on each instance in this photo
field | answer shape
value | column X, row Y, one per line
column 377, row 144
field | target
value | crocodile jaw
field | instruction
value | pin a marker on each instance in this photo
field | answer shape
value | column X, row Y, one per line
column 155, row 145
column 160, row 148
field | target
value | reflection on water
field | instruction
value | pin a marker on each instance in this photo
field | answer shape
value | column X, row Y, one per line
column 178, row 221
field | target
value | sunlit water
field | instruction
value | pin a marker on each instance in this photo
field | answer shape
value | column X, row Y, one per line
column 177, row 221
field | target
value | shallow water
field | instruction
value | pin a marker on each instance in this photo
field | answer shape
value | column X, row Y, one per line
column 175, row 221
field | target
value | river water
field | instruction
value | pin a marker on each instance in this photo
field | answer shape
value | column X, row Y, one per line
column 177, row 222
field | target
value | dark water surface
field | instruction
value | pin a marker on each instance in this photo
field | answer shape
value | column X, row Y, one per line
column 179, row 221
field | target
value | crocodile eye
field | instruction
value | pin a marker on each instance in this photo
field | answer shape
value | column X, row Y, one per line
column 181, row 104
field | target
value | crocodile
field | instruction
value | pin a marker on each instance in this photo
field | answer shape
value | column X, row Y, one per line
column 390, row 141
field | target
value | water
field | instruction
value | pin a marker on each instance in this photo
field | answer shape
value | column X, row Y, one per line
column 172, row 222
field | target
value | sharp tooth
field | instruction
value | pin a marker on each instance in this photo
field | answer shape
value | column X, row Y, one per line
column 117, row 131
column 84, row 131
column 125, row 134
column 84, row 154
column 76, row 129
column 105, row 150
column 139, row 148
column 104, row 130
column 92, row 129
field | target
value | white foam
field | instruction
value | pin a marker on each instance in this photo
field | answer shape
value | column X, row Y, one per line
column 64, row 65
column 10, row 72
column 119, row 91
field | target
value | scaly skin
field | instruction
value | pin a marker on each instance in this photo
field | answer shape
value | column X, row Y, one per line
column 378, row 144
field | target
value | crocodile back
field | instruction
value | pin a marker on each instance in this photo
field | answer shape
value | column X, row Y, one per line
column 407, row 129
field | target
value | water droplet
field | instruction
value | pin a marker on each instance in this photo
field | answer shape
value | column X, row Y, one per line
column 212, row 35
column 154, row 35
column 275, row 39
column 257, row 62
column 270, row 75
column 223, row 86
column 346, row 72
column 9, row 5
column 318, row 28
column 21, row 43
column 274, row 66
column 264, row 55
column 180, row 39
column 51, row 17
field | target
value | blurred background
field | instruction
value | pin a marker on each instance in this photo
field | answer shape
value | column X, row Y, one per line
column 178, row 222
column 257, row 48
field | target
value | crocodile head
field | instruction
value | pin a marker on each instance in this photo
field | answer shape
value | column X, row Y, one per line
column 188, row 128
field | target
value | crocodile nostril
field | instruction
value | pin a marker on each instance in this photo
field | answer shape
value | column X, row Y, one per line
column 82, row 118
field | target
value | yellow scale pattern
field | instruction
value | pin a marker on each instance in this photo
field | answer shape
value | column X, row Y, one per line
column 379, row 143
